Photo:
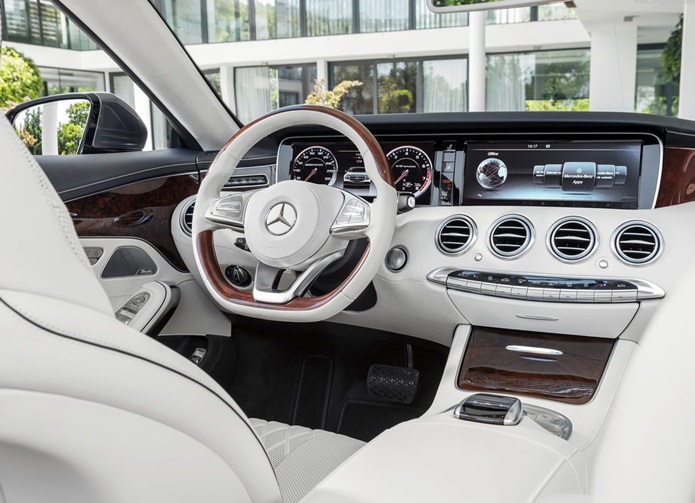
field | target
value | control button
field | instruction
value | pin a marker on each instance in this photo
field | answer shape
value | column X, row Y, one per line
column 503, row 291
column 474, row 286
column 519, row 292
column 241, row 244
column 488, row 289
column 551, row 294
column 456, row 283
column 534, row 294
column 624, row 296
column 568, row 295
column 603, row 297
column 585, row 296
column 396, row 258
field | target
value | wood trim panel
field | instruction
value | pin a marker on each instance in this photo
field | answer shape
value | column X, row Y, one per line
column 140, row 210
column 571, row 377
column 211, row 269
column 677, row 177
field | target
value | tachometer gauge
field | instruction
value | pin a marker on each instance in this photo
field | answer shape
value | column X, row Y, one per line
column 315, row 165
column 411, row 169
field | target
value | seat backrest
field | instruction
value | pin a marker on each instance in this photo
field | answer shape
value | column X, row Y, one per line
column 91, row 409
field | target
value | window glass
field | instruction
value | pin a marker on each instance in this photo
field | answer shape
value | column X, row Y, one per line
column 555, row 12
column 260, row 89
column 359, row 100
column 228, row 20
column 655, row 95
column 551, row 80
column 426, row 19
column 16, row 21
column 277, row 19
column 396, row 84
column 59, row 80
column 444, row 83
column 328, row 17
column 502, row 16
column 184, row 16
column 213, row 77
column 384, row 15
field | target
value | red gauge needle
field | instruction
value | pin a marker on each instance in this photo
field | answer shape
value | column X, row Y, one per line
column 403, row 175
column 315, row 170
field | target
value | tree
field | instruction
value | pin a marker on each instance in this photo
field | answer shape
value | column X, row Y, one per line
column 20, row 79
column 70, row 134
column 30, row 131
column 671, row 55
column 330, row 98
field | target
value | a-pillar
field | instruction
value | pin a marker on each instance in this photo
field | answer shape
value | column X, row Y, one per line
column 686, row 107
column 476, row 62
column 613, row 66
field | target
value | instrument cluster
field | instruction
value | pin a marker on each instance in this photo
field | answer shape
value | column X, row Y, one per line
column 341, row 165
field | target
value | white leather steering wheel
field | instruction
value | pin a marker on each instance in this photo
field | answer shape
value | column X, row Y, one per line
column 294, row 225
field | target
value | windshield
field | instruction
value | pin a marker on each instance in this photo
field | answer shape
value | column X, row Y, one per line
column 387, row 56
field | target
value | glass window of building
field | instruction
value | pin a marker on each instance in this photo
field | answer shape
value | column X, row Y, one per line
column 425, row 19
column 185, row 18
column 655, row 95
column 396, row 87
column 15, row 21
column 550, row 80
column 276, row 19
column 384, row 15
column 228, row 20
column 60, row 80
column 260, row 89
column 213, row 77
column 444, row 85
column 328, row 17
column 555, row 12
column 437, row 85
column 359, row 100
column 506, row 16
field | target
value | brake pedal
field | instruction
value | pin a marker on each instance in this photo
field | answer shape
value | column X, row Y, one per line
column 393, row 384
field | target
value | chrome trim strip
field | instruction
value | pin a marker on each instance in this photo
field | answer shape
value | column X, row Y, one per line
column 535, row 350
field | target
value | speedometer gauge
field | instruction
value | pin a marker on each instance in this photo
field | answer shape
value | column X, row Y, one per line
column 411, row 169
column 315, row 165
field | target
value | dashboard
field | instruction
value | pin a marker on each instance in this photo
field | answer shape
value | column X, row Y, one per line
column 598, row 171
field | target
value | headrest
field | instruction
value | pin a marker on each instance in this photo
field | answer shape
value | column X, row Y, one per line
column 39, row 249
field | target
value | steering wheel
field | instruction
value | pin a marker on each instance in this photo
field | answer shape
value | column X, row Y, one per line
column 294, row 225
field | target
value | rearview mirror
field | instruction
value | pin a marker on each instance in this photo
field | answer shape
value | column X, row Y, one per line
column 443, row 6
column 78, row 123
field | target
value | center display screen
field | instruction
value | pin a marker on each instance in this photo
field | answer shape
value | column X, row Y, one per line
column 581, row 174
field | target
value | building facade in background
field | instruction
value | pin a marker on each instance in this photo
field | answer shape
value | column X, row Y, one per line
column 263, row 54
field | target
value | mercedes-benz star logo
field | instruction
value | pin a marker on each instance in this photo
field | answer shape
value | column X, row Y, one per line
column 280, row 219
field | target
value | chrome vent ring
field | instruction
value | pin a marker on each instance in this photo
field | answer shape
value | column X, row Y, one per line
column 510, row 236
column 637, row 243
column 455, row 235
column 186, row 217
column 572, row 239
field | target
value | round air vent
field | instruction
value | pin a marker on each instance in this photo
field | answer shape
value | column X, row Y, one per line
column 637, row 243
column 187, row 217
column 455, row 235
column 510, row 236
column 572, row 239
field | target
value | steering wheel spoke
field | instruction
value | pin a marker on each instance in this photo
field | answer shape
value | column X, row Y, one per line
column 353, row 218
column 228, row 211
column 267, row 277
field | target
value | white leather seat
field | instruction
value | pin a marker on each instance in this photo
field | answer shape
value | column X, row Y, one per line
column 93, row 411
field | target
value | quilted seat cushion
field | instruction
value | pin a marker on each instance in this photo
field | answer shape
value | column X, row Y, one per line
column 302, row 457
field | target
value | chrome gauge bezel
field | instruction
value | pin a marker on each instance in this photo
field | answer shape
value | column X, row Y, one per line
column 428, row 182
